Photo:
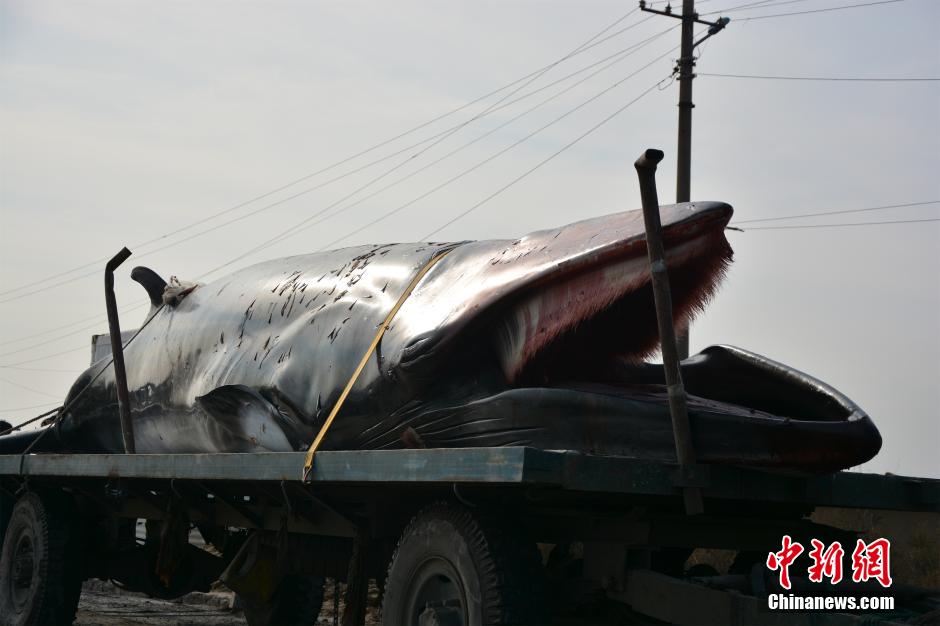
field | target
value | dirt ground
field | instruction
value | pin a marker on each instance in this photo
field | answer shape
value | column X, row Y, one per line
column 103, row 604
column 106, row 605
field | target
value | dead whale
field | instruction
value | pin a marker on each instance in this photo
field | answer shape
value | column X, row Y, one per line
column 538, row 341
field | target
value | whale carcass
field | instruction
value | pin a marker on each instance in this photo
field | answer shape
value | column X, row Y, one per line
column 538, row 341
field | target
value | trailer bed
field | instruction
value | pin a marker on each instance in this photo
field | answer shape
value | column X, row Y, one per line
column 507, row 466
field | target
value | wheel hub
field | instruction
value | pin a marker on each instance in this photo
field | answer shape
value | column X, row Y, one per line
column 437, row 596
column 21, row 578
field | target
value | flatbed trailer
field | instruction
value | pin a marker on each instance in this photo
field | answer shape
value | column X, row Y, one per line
column 452, row 537
column 608, row 527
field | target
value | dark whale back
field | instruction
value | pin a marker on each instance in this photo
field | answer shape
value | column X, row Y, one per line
column 292, row 328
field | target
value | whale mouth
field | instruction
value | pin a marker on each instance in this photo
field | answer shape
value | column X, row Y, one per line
column 575, row 320
column 568, row 346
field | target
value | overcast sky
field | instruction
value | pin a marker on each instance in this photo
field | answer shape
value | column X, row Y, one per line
column 121, row 122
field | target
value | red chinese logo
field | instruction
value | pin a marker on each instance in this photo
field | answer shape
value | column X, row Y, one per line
column 826, row 563
column 783, row 559
column 872, row 560
column 869, row 561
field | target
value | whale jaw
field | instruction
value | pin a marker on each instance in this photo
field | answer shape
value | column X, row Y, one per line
column 606, row 310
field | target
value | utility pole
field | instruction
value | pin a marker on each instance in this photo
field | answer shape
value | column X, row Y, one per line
column 685, row 69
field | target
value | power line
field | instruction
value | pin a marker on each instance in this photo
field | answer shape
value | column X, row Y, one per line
column 541, row 163
column 306, row 223
column 54, row 339
column 805, row 226
column 13, row 365
column 840, row 212
column 497, row 106
column 75, row 396
column 15, row 384
column 823, row 78
column 311, row 220
column 589, row 44
column 415, row 200
column 839, row 8
column 39, row 369
column 97, row 319
column 763, row 4
column 435, row 139
column 28, row 408
column 506, row 149
column 48, row 356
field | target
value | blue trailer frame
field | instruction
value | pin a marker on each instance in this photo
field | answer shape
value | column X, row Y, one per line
column 558, row 496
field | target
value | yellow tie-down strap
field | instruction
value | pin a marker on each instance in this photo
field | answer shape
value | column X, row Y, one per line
column 308, row 463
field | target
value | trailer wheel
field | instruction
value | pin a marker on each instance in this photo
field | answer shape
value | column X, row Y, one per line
column 6, row 509
column 40, row 579
column 451, row 568
column 296, row 602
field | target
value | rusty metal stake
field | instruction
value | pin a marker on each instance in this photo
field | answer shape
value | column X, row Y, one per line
column 117, row 350
column 662, row 297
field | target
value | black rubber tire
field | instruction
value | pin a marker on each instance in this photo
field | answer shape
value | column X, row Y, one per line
column 296, row 602
column 6, row 509
column 39, row 537
column 498, row 572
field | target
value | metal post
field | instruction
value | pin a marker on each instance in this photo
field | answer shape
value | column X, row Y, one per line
column 685, row 68
column 684, row 151
column 662, row 297
column 117, row 350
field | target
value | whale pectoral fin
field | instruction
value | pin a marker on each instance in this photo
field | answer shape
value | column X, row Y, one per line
column 247, row 415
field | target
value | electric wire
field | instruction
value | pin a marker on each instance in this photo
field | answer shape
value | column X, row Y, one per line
column 61, row 410
column 839, row 212
column 543, row 162
column 96, row 320
column 83, row 329
column 809, row 11
column 434, row 139
column 808, row 226
column 824, row 78
column 506, row 149
column 734, row 223
column 47, row 356
column 306, row 224
column 15, row 366
column 311, row 220
column 764, row 4
column 28, row 408
column 39, row 369
column 589, row 44
column 36, row 391
column 535, row 75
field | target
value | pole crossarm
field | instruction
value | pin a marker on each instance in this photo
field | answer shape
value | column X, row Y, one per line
column 719, row 24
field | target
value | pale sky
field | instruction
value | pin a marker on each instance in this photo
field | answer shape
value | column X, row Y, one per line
column 121, row 122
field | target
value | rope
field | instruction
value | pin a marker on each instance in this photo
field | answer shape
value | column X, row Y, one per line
column 308, row 463
column 28, row 422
